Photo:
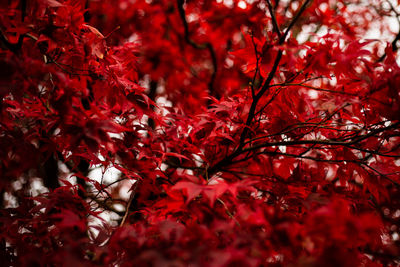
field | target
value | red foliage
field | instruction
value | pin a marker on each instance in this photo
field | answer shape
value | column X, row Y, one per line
column 243, row 133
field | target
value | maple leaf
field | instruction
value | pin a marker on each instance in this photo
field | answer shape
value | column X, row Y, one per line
column 69, row 220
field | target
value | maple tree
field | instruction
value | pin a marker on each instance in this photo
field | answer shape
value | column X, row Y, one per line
column 259, row 133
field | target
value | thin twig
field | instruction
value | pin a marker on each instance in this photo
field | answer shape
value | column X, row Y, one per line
column 206, row 45
column 131, row 197
column 314, row 88
column 228, row 212
column 274, row 22
column 294, row 20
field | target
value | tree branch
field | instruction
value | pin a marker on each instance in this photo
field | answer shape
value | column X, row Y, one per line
column 206, row 45
column 274, row 22
column 258, row 96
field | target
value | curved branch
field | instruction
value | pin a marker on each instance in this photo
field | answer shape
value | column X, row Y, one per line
column 206, row 45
